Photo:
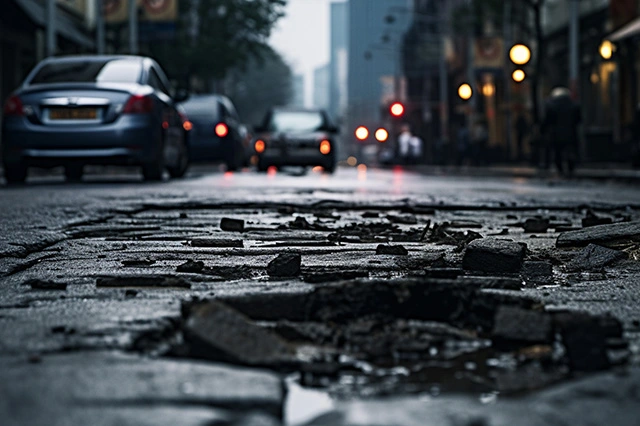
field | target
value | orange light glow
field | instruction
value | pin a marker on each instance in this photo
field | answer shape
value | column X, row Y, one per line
column 165, row 125
column 187, row 125
column 362, row 133
column 272, row 170
column 325, row 147
column 259, row 146
column 317, row 169
column 382, row 135
column 362, row 168
column 222, row 130
column 352, row 161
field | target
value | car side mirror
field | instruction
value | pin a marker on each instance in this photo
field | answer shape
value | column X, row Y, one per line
column 181, row 95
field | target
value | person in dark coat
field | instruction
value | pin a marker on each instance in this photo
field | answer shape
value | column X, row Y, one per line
column 560, row 126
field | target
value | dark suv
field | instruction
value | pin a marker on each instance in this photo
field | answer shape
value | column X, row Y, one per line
column 217, row 133
column 296, row 137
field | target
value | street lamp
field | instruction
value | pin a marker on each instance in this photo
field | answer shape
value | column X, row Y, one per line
column 606, row 49
column 465, row 91
column 488, row 89
column 518, row 76
column 519, row 54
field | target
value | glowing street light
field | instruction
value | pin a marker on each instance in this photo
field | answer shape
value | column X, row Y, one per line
column 518, row 76
column 520, row 54
column 488, row 89
column 465, row 91
column 606, row 49
column 397, row 109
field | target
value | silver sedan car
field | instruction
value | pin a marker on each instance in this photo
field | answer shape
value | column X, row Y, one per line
column 78, row 110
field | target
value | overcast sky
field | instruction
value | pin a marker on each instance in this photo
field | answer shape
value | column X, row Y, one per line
column 302, row 37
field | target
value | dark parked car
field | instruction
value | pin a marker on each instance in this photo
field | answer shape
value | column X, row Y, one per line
column 217, row 133
column 77, row 110
column 296, row 137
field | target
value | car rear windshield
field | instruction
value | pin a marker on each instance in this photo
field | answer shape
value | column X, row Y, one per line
column 83, row 71
column 202, row 107
column 287, row 121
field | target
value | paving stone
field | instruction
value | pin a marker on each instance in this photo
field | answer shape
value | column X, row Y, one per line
column 100, row 388
column 285, row 265
column 232, row 225
column 215, row 331
column 518, row 325
column 594, row 257
column 612, row 235
column 494, row 255
column 392, row 250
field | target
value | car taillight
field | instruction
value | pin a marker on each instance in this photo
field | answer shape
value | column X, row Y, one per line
column 13, row 106
column 138, row 104
column 259, row 146
column 222, row 130
column 325, row 147
column 187, row 126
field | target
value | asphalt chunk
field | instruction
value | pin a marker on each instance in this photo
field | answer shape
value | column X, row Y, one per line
column 146, row 281
column 285, row 265
column 217, row 332
column 232, row 225
column 594, row 257
column 194, row 266
column 612, row 235
column 138, row 262
column 494, row 255
column 513, row 324
column 537, row 272
column 38, row 284
column 216, row 243
column 536, row 225
column 392, row 250
column 405, row 219
column 591, row 219
column 585, row 340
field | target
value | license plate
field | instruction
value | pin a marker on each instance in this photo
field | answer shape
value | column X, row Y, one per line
column 73, row 114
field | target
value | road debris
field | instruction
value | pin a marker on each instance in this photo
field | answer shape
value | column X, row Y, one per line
column 537, row 272
column 494, row 255
column 217, row 332
column 216, row 243
column 38, row 284
column 594, row 257
column 191, row 266
column 285, row 265
column 138, row 262
column 146, row 281
column 615, row 235
column 232, row 225
column 536, row 225
column 392, row 250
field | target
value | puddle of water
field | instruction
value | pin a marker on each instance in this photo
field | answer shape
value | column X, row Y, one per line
column 303, row 405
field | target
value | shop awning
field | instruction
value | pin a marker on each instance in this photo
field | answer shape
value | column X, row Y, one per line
column 629, row 30
column 64, row 25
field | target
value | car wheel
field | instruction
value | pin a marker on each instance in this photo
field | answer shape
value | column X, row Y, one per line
column 15, row 173
column 183, row 163
column 74, row 173
column 236, row 160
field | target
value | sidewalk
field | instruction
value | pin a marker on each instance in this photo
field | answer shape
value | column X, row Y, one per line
column 600, row 172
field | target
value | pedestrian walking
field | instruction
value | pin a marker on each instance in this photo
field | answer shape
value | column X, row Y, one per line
column 404, row 144
column 560, row 127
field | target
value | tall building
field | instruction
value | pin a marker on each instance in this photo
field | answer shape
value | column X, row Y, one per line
column 321, row 87
column 297, row 100
column 375, row 33
column 338, row 60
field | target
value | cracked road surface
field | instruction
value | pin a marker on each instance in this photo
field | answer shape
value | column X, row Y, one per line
column 363, row 298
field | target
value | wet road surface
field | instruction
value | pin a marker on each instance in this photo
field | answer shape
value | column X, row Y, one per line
column 273, row 298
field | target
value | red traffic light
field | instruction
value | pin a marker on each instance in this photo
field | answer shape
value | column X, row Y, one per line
column 396, row 109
